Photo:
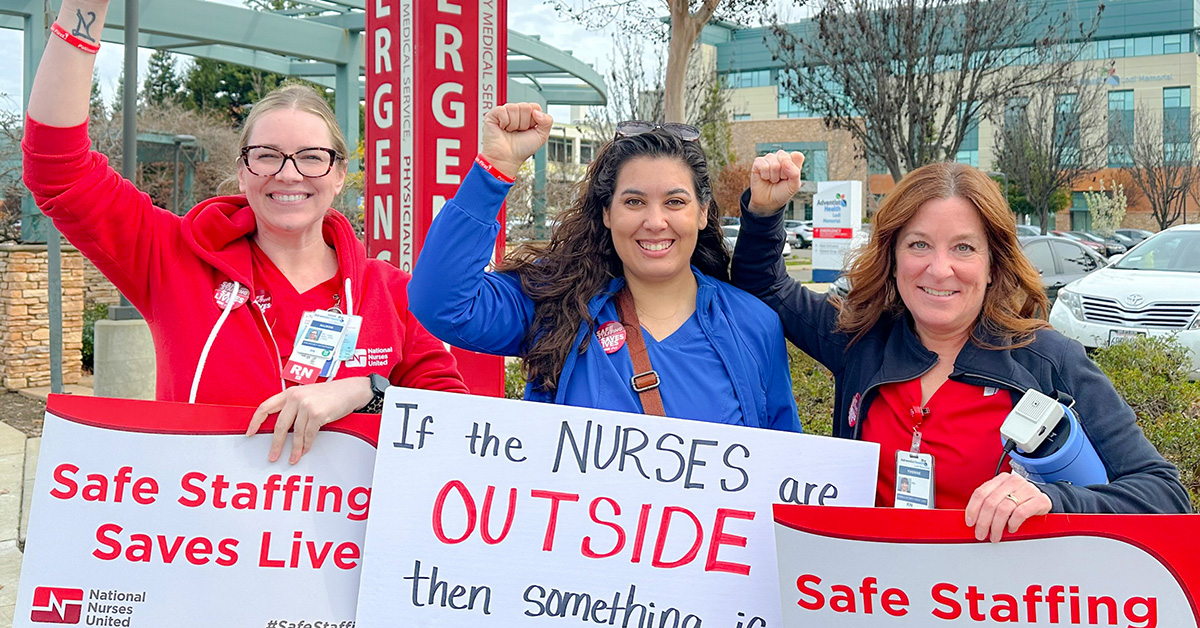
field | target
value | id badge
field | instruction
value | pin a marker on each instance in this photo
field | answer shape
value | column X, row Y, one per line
column 914, row 480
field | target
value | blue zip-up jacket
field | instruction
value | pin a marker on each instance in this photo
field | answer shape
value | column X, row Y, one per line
column 460, row 303
column 1140, row 480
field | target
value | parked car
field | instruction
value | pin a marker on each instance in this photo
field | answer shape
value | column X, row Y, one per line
column 730, row 220
column 1137, row 235
column 1027, row 231
column 1058, row 260
column 1095, row 246
column 800, row 233
column 1111, row 245
column 731, row 234
column 1153, row 290
column 1124, row 240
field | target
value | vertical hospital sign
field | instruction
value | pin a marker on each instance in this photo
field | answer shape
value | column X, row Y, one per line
column 434, row 67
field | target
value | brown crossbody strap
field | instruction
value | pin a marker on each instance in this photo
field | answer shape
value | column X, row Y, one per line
column 645, row 379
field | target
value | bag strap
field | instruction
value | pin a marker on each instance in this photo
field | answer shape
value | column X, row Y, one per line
column 645, row 379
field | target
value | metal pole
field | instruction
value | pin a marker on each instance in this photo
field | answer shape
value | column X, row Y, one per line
column 175, row 183
column 54, row 277
column 126, row 311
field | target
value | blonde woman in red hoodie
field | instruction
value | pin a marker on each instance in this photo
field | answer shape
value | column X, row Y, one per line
column 225, row 287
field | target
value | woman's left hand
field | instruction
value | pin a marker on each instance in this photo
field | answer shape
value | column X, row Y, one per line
column 1006, row 500
column 308, row 408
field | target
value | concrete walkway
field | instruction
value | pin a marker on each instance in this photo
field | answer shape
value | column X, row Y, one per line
column 18, row 466
column 18, row 461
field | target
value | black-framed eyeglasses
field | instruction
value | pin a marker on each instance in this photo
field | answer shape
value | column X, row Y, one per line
column 312, row 163
column 685, row 132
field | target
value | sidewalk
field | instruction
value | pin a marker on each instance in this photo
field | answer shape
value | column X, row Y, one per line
column 18, row 465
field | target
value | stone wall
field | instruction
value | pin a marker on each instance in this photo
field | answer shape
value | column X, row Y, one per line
column 24, row 315
column 97, row 288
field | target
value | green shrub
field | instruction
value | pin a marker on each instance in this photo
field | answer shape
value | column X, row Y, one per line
column 91, row 314
column 514, row 379
column 812, row 385
column 1150, row 373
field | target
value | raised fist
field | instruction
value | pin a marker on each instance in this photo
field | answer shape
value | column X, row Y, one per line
column 512, row 133
column 774, row 180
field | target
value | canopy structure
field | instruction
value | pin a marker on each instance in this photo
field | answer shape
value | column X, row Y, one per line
column 318, row 40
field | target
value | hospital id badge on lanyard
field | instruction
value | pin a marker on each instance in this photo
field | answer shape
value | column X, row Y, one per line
column 914, row 480
column 317, row 347
column 914, row 470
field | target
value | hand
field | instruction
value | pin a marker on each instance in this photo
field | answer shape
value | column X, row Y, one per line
column 774, row 180
column 512, row 133
column 307, row 409
column 1006, row 500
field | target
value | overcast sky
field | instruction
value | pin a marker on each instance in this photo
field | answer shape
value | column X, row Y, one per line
column 524, row 16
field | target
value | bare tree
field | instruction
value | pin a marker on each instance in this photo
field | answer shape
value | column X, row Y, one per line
column 11, row 188
column 635, row 92
column 687, row 19
column 1161, row 160
column 910, row 78
column 1048, row 139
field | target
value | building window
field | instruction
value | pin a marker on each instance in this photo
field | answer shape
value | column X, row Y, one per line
column 741, row 116
column 748, row 78
column 560, row 149
column 1177, row 124
column 1081, row 218
column 1120, row 128
column 587, row 151
column 816, row 157
column 1172, row 44
column 968, row 150
column 1016, row 111
column 789, row 108
column 1066, row 129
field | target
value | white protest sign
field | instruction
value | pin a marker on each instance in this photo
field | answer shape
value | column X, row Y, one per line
column 161, row 514
column 492, row 512
column 889, row 567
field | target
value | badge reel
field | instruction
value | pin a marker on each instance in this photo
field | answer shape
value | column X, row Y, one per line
column 914, row 480
column 318, row 346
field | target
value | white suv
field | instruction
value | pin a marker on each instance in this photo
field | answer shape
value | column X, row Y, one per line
column 1154, row 289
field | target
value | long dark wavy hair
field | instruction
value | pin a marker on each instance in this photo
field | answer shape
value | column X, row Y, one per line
column 579, row 261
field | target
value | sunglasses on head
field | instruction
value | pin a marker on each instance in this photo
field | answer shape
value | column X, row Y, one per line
column 685, row 132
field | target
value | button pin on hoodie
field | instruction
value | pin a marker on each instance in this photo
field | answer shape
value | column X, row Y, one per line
column 224, row 291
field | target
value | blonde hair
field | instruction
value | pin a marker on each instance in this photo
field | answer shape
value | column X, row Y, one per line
column 1014, row 304
column 291, row 96
column 296, row 97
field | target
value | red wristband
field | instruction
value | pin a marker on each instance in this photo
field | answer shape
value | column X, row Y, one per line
column 495, row 172
column 85, row 46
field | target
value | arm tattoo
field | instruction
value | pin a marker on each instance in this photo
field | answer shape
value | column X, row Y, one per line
column 84, row 27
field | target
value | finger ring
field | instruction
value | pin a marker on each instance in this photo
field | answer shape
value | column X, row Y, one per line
column 1013, row 498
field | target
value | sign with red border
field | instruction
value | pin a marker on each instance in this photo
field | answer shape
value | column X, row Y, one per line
column 433, row 68
column 888, row 567
column 534, row 514
column 164, row 514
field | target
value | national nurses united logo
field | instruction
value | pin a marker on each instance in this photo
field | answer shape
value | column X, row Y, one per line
column 56, row 605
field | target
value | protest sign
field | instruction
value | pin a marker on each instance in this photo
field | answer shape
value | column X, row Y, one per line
column 162, row 514
column 889, row 568
column 493, row 512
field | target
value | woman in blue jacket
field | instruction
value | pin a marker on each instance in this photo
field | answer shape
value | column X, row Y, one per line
column 640, row 252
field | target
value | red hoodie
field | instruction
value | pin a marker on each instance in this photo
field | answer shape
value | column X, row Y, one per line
column 170, row 268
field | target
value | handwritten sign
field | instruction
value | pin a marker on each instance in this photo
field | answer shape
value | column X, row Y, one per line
column 492, row 512
column 161, row 514
column 893, row 568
